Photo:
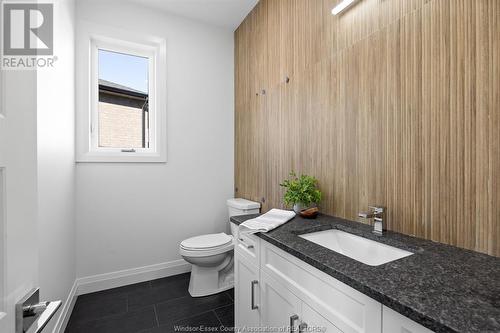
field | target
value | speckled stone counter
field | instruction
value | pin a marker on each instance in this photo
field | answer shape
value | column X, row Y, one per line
column 444, row 288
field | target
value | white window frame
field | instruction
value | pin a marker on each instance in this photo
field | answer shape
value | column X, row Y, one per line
column 89, row 44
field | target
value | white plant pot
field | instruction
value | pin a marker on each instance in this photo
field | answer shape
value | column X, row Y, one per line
column 298, row 207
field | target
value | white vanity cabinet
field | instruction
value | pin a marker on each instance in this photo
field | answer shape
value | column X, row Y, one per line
column 246, row 292
column 396, row 323
column 275, row 291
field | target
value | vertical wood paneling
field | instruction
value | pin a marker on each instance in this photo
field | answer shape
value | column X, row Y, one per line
column 395, row 102
column 494, row 18
column 482, row 123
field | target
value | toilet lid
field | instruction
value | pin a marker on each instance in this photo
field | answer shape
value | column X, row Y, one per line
column 206, row 241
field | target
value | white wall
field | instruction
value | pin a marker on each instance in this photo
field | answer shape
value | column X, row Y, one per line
column 56, row 162
column 134, row 215
column 19, row 244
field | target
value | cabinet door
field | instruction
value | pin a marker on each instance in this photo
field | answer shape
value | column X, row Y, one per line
column 316, row 322
column 246, row 293
column 346, row 308
column 280, row 309
column 393, row 322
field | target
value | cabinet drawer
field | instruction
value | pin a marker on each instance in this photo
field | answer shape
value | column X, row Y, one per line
column 248, row 246
column 346, row 308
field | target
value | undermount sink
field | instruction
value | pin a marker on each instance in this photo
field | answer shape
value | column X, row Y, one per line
column 358, row 248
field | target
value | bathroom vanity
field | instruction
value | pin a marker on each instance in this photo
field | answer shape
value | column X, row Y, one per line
column 284, row 282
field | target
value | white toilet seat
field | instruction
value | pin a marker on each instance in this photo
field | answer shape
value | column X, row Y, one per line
column 206, row 245
column 205, row 253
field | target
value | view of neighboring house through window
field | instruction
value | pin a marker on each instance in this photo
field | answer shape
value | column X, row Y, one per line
column 122, row 113
column 123, row 108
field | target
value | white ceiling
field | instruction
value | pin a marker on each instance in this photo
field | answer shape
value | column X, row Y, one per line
column 223, row 13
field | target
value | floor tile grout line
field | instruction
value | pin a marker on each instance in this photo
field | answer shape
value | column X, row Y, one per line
column 111, row 316
column 201, row 313
column 169, row 300
column 206, row 311
column 160, row 303
column 178, row 298
column 156, row 316
column 217, row 316
column 223, row 306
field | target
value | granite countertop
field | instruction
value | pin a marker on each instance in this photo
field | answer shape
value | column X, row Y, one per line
column 444, row 288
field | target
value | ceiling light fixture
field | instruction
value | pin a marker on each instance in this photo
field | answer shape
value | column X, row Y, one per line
column 344, row 4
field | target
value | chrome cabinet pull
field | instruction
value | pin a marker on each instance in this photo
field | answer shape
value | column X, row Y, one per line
column 253, row 305
column 292, row 322
column 302, row 327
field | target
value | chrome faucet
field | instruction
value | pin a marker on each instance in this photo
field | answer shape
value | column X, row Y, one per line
column 377, row 214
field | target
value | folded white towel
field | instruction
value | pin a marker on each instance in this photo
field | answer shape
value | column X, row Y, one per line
column 267, row 222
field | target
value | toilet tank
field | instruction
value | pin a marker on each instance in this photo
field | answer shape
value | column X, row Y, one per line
column 238, row 206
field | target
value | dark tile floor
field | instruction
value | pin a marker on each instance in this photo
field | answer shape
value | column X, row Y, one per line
column 162, row 305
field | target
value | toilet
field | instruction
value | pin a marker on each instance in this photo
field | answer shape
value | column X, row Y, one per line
column 211, row 256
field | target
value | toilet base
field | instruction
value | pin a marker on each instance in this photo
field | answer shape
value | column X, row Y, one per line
column 200, row 292
column 207, row 281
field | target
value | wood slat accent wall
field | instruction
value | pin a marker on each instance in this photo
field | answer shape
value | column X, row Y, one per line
column 395, row 103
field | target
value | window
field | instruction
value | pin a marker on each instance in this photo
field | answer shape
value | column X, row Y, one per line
column 125, row 117
column 123, row 102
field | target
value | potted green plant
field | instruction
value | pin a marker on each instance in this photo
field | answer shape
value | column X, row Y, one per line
column 301, row 192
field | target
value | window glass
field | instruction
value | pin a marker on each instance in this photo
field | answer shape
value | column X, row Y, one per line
column 123, row 100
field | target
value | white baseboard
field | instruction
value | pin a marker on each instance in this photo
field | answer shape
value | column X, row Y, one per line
column 105, row 281
column 67, row 308
column 94, row 283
